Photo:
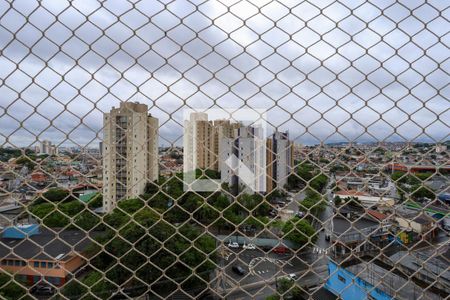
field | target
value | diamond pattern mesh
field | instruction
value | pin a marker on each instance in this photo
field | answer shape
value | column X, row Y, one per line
column 342, row 193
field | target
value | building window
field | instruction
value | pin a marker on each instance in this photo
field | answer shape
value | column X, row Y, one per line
column 50, row 265
column 4, row 262
column 43, row 264
column 36, row 264
column 10, row 262
column 17, row 263
column 342, row 279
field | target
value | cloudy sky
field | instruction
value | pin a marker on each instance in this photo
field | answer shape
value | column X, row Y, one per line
column 324, row 70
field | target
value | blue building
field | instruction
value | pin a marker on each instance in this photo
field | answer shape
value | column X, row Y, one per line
column 348, row 286
column 20, row 231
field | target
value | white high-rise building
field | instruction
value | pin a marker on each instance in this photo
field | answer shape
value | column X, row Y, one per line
column 243, row 160
column 193, row 138
column 46, row 147
column 130, row 152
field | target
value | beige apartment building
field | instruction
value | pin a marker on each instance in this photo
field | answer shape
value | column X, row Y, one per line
column 201, row 141
column 280, row 160
column 207, row 144
column 130, row 152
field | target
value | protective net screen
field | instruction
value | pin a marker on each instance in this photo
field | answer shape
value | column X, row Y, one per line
column 224, row 149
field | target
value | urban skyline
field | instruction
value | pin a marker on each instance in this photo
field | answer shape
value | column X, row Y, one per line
column 208, row 149
column 325, row 75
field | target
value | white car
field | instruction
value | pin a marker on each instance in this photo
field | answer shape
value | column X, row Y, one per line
column 249, row 246
column 233, row 244
column 292, row 277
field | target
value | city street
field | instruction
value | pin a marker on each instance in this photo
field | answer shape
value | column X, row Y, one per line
column 263, row 269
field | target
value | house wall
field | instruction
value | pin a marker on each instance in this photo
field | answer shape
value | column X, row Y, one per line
column 33, row 274
column 414, row 226
column 347, row 286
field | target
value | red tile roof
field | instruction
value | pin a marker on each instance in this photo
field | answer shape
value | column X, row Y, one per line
column 376, row 214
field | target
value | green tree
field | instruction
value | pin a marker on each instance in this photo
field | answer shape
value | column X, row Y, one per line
column 96, row 201
column 49, row 214
column 131, row 205
column 151, row 187
column 54, row 195
column 220, row 203
column 87, row 220
column 192, row 202
column 313, row 203
column 304, row 171
column 299, row 231
column 10, row 290
column 74, row 290
column 422, row 192
column 71, row 208
column 293, row 181
column 319, row 182
column 284, row 284
column 28, row 161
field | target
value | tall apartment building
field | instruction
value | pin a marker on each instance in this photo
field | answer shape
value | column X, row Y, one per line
column 247, row 146
column 130, row 152
column 45, row 147
column 48, row 148
column 280, row 160
column 201, row 141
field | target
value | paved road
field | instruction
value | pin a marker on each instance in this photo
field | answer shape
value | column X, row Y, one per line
column 259, row 265
column 261, row 271
column 263, row 288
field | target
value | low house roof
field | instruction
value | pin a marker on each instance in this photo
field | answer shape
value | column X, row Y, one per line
column 351, row 193
column 377, row 215
column 47, row 245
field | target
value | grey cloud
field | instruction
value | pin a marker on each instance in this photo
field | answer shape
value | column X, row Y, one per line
column 320, row 70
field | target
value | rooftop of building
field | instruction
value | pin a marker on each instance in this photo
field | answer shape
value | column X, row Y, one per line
column 389, row 282
column 430, row 261
column 414, row 215
column 344, row 226
column 377, row 215
column 351, row 193
column 47, row 245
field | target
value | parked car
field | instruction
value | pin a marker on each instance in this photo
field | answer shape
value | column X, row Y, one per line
column 42, row 290
column 238, row 270
column 292, row 277
column 233, row 244
column 280, row 250
column 280, row 202
column 300, row 214
column 249, row 246
column 248, row 228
